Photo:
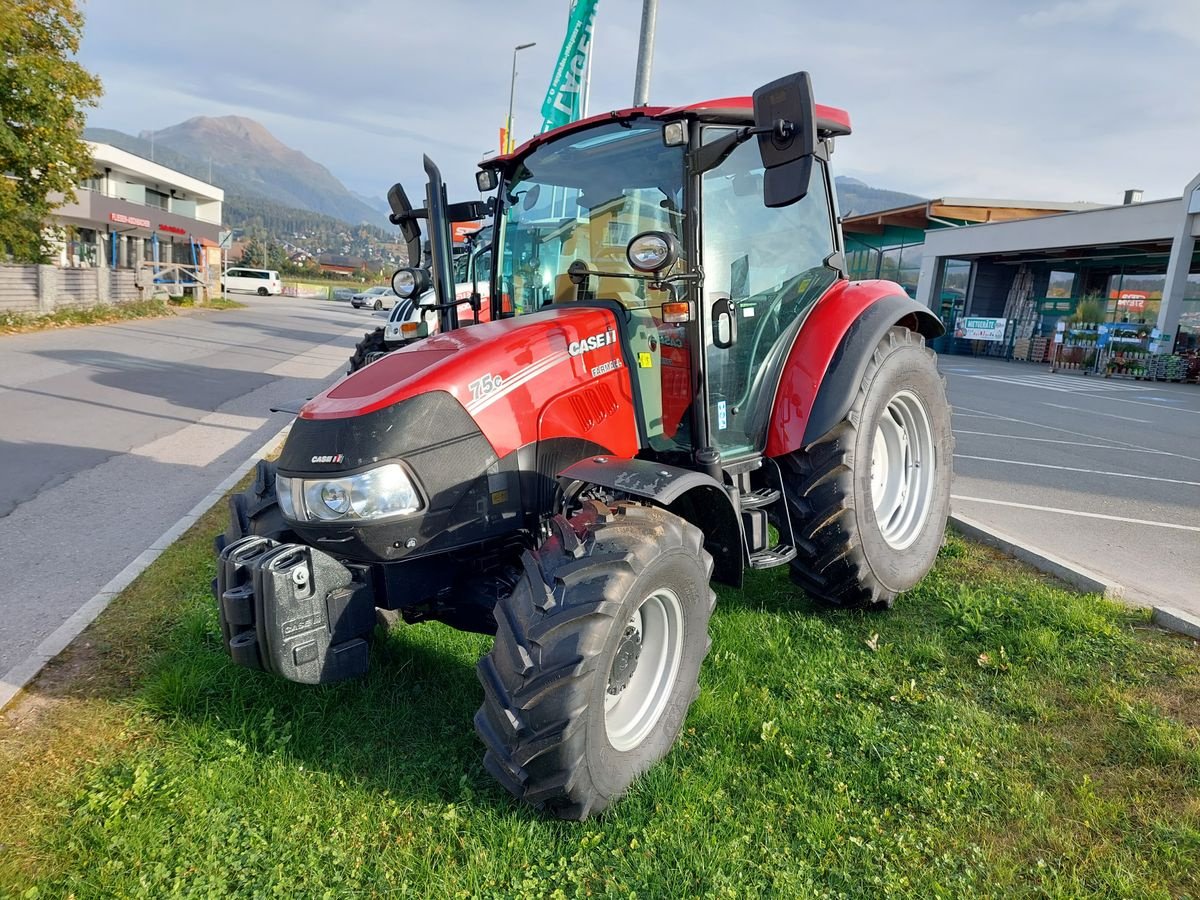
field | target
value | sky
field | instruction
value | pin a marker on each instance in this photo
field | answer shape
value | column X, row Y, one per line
column 1066, row 101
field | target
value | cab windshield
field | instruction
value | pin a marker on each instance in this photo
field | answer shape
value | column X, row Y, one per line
column 582, row 198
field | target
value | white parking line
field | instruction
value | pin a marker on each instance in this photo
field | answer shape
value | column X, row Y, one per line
column 1021, row 437
column 1062, row 385
column 1092, row 412
column 1075, row 512
column 1033, row 465
column 1094, row 437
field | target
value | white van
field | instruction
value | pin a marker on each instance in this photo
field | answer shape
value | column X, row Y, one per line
column 252, row 281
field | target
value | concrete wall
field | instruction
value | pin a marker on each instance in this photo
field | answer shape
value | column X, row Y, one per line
column 43, row 289
column 19, row 289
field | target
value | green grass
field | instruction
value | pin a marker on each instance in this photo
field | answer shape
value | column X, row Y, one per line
column 993, row 735
column 18, row 323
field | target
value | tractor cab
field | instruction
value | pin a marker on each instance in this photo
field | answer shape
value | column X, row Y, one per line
column 662, row 213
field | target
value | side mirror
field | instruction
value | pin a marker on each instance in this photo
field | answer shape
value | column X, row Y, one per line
column 786, row 114
column 402, row 215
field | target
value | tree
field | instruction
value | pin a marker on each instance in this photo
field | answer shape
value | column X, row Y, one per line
column 254, row 254
column 43, row 94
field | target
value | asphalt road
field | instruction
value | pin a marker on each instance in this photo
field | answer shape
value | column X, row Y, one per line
column 1104, row 473
column 110, row 434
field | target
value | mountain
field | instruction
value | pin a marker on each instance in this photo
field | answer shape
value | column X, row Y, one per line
column 253, row 208
column 241, row 156
column 857, row 198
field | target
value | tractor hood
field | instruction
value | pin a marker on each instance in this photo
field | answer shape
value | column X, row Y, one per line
column 482, row 419
column 504, row 374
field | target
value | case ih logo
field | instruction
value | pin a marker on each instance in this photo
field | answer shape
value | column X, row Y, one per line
column 336, row 458
column 595, row 342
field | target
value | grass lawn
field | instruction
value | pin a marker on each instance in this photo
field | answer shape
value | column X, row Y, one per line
column 993, row 735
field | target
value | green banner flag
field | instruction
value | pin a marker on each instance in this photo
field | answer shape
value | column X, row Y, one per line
column 564, row 99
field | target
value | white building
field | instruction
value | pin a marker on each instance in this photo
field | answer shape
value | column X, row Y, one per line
column 132, row 210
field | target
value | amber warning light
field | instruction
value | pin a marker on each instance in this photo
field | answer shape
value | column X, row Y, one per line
column 677, row 312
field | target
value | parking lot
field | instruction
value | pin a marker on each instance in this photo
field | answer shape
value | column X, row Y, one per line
column 1104, row 473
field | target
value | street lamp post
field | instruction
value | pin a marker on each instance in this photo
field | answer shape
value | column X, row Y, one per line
column 512, row 89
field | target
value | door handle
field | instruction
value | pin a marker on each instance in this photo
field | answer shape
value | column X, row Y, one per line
column 724, row 318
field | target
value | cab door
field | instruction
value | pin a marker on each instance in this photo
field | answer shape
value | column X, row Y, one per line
column 763, row 269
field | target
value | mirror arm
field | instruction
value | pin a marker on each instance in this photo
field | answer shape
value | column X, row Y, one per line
column 710, row 156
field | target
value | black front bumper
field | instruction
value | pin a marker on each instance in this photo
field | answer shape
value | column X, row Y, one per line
column 292, row 610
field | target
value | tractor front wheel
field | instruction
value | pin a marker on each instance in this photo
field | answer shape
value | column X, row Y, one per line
column 869, row 499
column 369, row 349
column 256, row 510
column 597, row 653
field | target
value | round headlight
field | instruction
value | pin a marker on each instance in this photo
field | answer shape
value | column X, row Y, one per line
column 652, row 251
column 404, row 283
column 336, row 497
column 327, row 500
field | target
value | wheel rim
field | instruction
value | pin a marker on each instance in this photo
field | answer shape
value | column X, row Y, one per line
column 903, row 470
column 644, row 670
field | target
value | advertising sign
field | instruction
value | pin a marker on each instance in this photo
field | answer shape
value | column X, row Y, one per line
column 123, row 219
column 1131, row 301
column 980, row 328
column 564, row 98
column 460, row 230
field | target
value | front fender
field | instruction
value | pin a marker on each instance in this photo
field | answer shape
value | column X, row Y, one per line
column 830, row 354
column 691, row 495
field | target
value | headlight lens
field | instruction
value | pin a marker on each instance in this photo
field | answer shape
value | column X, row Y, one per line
column 283, row 490
column 652, row 251
column 375, row 494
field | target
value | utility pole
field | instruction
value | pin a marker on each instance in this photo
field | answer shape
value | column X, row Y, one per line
column 641, row 86
column 512, row 89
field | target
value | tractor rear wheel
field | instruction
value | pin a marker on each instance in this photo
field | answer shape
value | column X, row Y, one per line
column 256, row 510
column 369, row 349
column 597, row 653
column 869, row 499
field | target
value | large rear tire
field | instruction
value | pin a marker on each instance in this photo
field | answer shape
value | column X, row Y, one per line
column 369, row 349
column 869, row 499
column 596, row 658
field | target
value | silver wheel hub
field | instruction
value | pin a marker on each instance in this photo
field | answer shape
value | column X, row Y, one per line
column 643, row 670
column 903, row 470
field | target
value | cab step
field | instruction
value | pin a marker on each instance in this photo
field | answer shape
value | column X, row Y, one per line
column 759, row 499
column 779, row 555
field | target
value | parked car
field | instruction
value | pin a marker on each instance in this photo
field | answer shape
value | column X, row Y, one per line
column 252, row 281
column 376, row 298
column 343, row 294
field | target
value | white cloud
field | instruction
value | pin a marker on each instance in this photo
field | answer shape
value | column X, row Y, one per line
column 1072, row 12
column 1078, row 100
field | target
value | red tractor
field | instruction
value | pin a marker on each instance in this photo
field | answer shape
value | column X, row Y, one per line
column 678, row 383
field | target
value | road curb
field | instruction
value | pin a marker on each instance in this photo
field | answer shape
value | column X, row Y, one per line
column 1172, row 619
column 12, row 681
column 1072, row 573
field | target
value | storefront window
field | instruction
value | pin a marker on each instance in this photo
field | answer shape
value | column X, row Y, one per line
column 1062, row 284
column 1135, row 297
column 910, row 267
column 889, row 266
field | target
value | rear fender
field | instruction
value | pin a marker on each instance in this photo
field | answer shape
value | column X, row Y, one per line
column 693, row 496
column 825, row 366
